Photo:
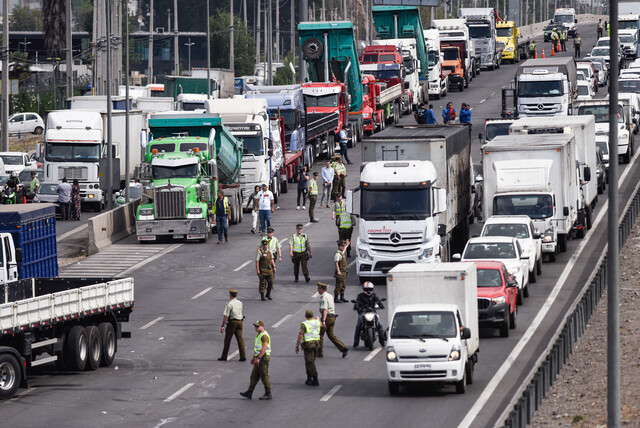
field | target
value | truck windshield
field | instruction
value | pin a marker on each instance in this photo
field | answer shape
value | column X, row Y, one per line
column 423, row 325
column 11, row 159
column 330, row 100
column 479, row 32
column 369, row 59
column 192, row 105
column 626, row 38
column 601, row 112
column 540, row 88
column 503, row 32
column 511, row 230
column 409, row 65
column 489, row 278
column 534, row 206
column 603, row 146
column 495, row 129
column 629, row 86
column 450, row 54
column 395, row 204
column 251, row 144
column 433, row 58
column 564, row 19
column 168, row 172
column 386, row 74
column 491, row 250
column 600, row 52
column 627, row 25
column 289, row 116
column 62, row 152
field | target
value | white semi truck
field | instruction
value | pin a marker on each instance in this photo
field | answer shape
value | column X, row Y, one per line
column 438, row 80
column 454, row 32
column 482, row 29
column 567, row 17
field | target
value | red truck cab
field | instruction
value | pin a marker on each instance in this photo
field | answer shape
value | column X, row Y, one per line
column 326, row 98
column 383, row 54
column 371, row 114
column 497, row 297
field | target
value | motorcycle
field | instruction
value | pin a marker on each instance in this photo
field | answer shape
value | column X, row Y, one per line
column 369, row 325
column 9, row 196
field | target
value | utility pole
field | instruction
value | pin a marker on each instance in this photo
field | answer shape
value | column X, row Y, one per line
column 176, row 46
column 303, row 11
column 293, row 36
column 150, row 56
column 244, row 11
column 4, row 144
column 231, row 57
column 109, row 193
column 270, row 64
column 127, row 159
column 208, row 54
column 69, row 49
column 188, row 45
column 258, row 20
column 344, row 10
column 277, row 30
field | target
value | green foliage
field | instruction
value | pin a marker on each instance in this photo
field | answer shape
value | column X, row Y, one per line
column 282, row 76
column 244, row 45
column 25, row 19
column 83, row 12
column 577, row 419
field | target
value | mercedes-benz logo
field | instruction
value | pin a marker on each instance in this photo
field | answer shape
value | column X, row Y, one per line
column 540, row 107
column 395, row 237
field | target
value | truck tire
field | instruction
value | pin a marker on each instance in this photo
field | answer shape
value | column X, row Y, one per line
column 539, row 266
column 76, row 352
column 394, row 388
column 461, row 385
column 533, row 275
column 469, row 368
column 626, row 158
column 284, row 186
column 513, row 316
column 504, row 328
column 312, row 48
column 94, row 342
column 562, row 242
column 9, row 375
column 108, row 342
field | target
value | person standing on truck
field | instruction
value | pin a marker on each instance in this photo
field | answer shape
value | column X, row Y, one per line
column 600, row 28
column 577, row 43
column 344, row 143
column 232, row 325
column 310, row 337
column 300, row 252
column 419, row 115
column 448, row 113
column 260, row 363
column 340, row 273
column 327, row 180
column 532, row 49
column 364, row 300
column 431, row 116
column 312, row 186
column 221, row 213
column 345, row 223
column 264, row 205
column 254, row 214
column 64, row 198
column 328, row 319
column 266, row 269
column 303, row 178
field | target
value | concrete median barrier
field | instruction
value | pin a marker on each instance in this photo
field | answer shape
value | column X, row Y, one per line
column 537, row 29
column 111, row 226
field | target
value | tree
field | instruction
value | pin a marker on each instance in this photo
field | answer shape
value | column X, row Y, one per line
column 54, row 26
column 25, row 19
column 282, row 76
column 244, row 45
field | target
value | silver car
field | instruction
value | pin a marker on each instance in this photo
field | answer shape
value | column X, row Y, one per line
column 48, row 193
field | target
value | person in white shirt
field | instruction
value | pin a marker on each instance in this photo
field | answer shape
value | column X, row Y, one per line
column 327, row 180
column 264, row 205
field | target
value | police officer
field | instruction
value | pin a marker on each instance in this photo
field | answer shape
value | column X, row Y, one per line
column 555, row 38
column 274, row 245
column 34, row 183
column 345, row 223
column 310, row 337
column 328, row 320
column 340, row 178
column 260, row 362
column 300, row 252
column 265, row 268
column 339, row 207
column 577, row 44
column 563, row 40
column 600, row 28
column 312, row 186
column 232, row 325
column 340, row 273
column 532, row 50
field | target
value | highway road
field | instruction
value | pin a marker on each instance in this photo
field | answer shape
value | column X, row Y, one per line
column 168, row 373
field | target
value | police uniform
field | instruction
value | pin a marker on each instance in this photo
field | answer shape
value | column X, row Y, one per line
column 274, row 244
column 340, row 179
column 345, row 222
column 327, row 304
column 313, row 196
column 265, row 266
column 341, row 279
column 300, row 247
column 532, row 50
column 233, row 315
column 260, row 371
column 336, row 179
column 310, row 336
column 339, row 208
column 563, row 40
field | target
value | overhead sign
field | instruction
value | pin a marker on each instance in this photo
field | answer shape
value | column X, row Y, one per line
column 407, row 2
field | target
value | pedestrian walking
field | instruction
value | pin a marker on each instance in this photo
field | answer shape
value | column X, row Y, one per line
column 340, row 273
column 448, row 113
column 328, row 320
column 232, row 325
column 419, row 115
column 345, row 222
column 260, row 363
column 254, row 214
column 606, row 25
column 64, row 198
column 266, row 269
column 431, row 116
column 339, row 207
column 532, row 50
column 220, row 213
column 75, row 201
column 312, row 185
column 600, row 28
column 340, row 182
column 264, row 206
column 465, row 113
column 300, row 252
column 310, row 337
column 302, row 177
column 327, row 181
column 274, row 245
column 577, row 44
column 563, row 40
column 344, row 144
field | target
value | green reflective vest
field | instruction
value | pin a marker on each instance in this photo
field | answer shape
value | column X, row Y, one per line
column 313, row 187
column 225, row 201
column 313, row 330
column 345, row 220
column 299, row 243
column 273, row 246
column 340, row 169
column 33, row 184
column 340, row 207
column 257, row 346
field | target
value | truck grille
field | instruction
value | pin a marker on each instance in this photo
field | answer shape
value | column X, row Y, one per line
column 483, row 303
column 73, row 172
column 170, row 202
column 395, row 243
column 533, row 109
column 424, row 374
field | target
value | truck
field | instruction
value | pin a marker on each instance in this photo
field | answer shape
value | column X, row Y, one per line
column 154, row 104
column 516, row 46
column 567, row 17
column 225, row 80
column 414, row 90
column 482, row 29
column 537, row 176
column 187, row 160
column 415, row 197
column 249, row 121
column 583, row 128
column 455, row 33
column 438, row 76
column 453, row 63
column 433, row 324
column 221, row 86
column 629, row 21
column 382, row 104
column 331, row 57
column 545, row 87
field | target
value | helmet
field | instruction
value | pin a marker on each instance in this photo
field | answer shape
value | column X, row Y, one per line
column 13, row 174
column 367, row 286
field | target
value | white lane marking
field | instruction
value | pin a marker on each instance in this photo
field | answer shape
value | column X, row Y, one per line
column 150, row 259
column 242, row 265
column 286, row 317
column 315, row 295
column 178, row 392
column 307, row 224
column 71, row 232
column 202, row 293
column 372, row 354
column 515, row 353
column 493, row 93
column 233, row 354
column 482, row 100
column 150, row 323
column 351, row 264
column 284, row 240
column 331, row 393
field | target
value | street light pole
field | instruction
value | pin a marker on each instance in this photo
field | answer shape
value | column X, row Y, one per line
column 4, row 144
column 188, row 45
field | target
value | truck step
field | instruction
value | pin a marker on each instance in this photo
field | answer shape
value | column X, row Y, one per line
column 45, row 360
column 44, row 343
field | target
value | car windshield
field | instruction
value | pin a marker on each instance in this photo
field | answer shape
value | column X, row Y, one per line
column 167, row 172
column 625, row 38
column 433, row 58
column 26, row 175
column 251, row 144
column 628, row 25
column 482, row 251
column 495, row 129
column 580, row 76
column 583, row 90
column 330, row 100
column 11, row 159
column 585, row 71
column 550, row 88
column 479, row 32
column 396, row 204
column 568, row 19
column 423, row 325
column 534, row 206
column 503, row 32
column 601, row 112
column 602, row 42
column 72, row 152
column 489, row 278
column 511, row 230
column 629, row 86
column 600, row 52
column 603, row 146
column 48, row 189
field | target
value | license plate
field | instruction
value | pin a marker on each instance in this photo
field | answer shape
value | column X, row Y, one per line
column 199, row 236
column 422, row 366
column 146, row 238
column 178, row 236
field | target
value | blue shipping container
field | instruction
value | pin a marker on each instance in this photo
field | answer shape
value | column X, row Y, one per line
column 33, row 228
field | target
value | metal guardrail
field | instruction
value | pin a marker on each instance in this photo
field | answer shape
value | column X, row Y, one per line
column 533, row 391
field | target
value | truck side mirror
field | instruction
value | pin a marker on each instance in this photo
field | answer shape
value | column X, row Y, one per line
column 442, row 229
column 465, row 333
column 536, row 235
column 565, row 211
column 39, row 148
column 441, row 198
column 212, row 142
column 456, row 257
column 480, row 136
column 19, row 255
column 575, row 21
column 587, row 173
column 143, row 139
column 349, row 206
column 270, row 153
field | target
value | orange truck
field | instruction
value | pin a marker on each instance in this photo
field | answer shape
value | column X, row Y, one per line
column 453, row 63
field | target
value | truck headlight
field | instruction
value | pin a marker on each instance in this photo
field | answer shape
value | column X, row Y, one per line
column 498, row 300
column 91, row 196
column 391, row 354
column 366, row 115
column 514, row 270
column 623, row 137
column 509, row 49
column 426, row 254
column 548, row 235
column 454, row 355
column 364, row 254
column 146, row 211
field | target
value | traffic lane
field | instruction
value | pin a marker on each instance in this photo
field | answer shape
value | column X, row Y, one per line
column 62, row 227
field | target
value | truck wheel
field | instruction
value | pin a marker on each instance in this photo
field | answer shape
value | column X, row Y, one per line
column 533, row 275
column 108, row 343
column 284, row 186
column 525, row 290
column 519, row 297
column 466, row 81
column 394, row 387
column 626, row 158
column 589, row 216
column 469, row 368
column 240, row 210
column 513, row 316
column 516, row 57
column 94, row 343
column 77, row 351
column 461, row 385
column 552, row 257
column 504, row 328
column 9, row 375
column 562, row 242
column 539, row 266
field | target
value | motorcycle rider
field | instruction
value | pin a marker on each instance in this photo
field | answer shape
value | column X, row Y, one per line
column 367, row 299
column 11, row 187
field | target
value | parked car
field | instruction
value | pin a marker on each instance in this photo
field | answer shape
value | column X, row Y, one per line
column 549, row 29
column 497, row 297
column 48, row 193
column 15, row 161
column 26, row 122
column 584, row 90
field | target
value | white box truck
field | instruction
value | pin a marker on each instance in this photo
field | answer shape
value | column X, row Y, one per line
column 438, row 80
column 537, row 176
column 433, row 324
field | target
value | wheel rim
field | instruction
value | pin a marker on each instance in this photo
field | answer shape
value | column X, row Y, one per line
column 82, row 349
column 95, row 349
column 7, row 376
column 111, row 345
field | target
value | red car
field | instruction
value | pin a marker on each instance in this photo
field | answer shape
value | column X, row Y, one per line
column 497, row 297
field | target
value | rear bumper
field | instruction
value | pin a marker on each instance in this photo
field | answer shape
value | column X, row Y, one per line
column 149, row 230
